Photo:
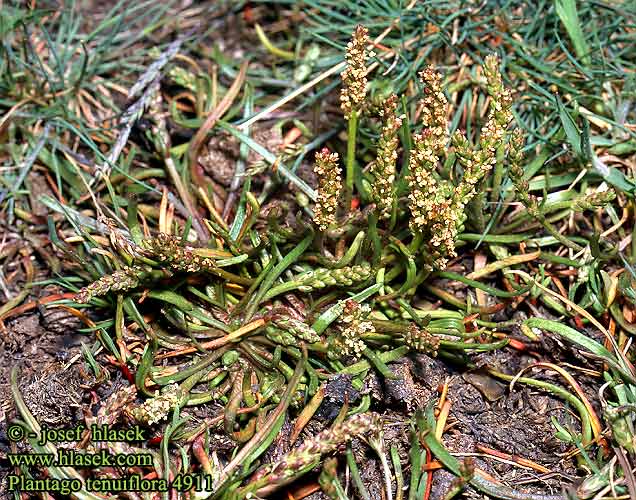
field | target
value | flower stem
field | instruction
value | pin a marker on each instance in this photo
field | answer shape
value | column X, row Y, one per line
column 375, row 238
column 352, row 132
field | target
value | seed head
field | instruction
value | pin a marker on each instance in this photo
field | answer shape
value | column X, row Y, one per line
column 438, row 206
column 515, row 160
column 477, row 164
column 493, row 133
column 422, row 183
column 501, row 98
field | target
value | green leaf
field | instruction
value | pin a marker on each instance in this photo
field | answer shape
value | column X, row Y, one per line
column 578, row 338
column 613, row 176
column 567, row 12
column 561, row 433
column 572, row 131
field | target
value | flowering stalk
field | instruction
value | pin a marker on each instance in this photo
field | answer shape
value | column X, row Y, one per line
column 438, row 207
column 352, row 132
column 352, row 98
column 432, row 217
column 383, row 169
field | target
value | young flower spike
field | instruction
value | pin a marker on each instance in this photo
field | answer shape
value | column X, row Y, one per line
column 478, row 163
column 286, row 330
column 354, row 77
column 329, row 188
column 168, row 250
column 121, row 280
column 515, row 159
column 383, row 169
column 501, row 98
column 345, row 276
column 273, row 475
column 421, row 340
